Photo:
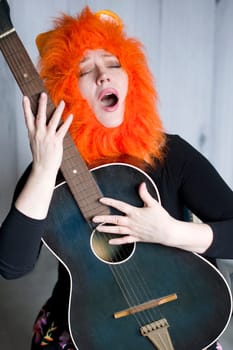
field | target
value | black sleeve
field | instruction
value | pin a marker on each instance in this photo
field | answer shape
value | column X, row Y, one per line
column 207, row 195
column 20, row 240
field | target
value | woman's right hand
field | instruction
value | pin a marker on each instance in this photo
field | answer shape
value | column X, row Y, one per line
column 46, row 140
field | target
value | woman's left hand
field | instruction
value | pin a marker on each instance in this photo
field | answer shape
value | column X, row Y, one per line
column 149, row 223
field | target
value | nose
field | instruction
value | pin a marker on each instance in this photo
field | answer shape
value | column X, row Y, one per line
column 102, row 76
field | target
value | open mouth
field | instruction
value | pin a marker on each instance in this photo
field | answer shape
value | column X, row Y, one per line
column 109, row 100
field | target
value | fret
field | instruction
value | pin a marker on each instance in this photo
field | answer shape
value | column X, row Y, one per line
column 7, row 33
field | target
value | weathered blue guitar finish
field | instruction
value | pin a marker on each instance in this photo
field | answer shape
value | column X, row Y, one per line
column 100, row 289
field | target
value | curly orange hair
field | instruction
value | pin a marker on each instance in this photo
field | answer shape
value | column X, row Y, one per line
column 141, row 134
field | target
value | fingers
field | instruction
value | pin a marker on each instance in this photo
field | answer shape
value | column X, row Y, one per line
column 117, row 204
column 123, row 240
column 148, row 200
column 28, row 115
column 65, row 126
column 39, row 121
column 55, row 120
column 118, row 221
column 126, row 234
column 135, row 225
column 41, row 117
column 119, row 228
column 124, row 208
column 41, row 111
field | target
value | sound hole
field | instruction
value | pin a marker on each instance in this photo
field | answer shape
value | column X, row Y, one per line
column 111, row 254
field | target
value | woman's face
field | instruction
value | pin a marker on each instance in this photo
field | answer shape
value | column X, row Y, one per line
column 104, row 85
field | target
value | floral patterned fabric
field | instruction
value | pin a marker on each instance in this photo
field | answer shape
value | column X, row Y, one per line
column 48, row 335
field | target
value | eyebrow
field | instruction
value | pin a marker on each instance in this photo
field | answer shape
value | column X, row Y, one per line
column 103, row 55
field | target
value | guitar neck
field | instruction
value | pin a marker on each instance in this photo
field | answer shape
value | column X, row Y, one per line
column 73, row 167
column 24, row 71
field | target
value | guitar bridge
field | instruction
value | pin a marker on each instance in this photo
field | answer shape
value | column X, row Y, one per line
column 158, row 334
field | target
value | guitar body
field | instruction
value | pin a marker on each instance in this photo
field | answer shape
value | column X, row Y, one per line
column 100, row 288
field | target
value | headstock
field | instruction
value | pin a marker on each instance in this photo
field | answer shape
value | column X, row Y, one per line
column 5, row 20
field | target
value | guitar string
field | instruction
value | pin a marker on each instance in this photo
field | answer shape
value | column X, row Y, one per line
column 147, row 316
column 113, row 257
column 129, row 292
column 139, row 290
column 130, row 295
column 135, row 290
column 142, row 318
column 118, row 278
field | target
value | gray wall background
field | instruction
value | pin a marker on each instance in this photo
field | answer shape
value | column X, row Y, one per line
column 190, row 52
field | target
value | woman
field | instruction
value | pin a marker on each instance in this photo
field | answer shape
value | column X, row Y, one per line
column 103, row 89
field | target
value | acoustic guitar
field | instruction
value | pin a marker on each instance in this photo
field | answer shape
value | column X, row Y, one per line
column 129, row 297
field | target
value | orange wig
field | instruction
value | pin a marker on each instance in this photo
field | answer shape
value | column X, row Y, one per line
column 141, row 134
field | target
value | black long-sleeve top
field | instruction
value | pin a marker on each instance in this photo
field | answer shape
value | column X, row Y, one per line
column 185, row 180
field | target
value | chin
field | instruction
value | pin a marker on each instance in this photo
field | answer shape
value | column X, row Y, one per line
column 111, row 122
column 112, row 125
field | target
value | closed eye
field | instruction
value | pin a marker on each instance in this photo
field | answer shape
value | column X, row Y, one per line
column 114, row 66
column 82, row 74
